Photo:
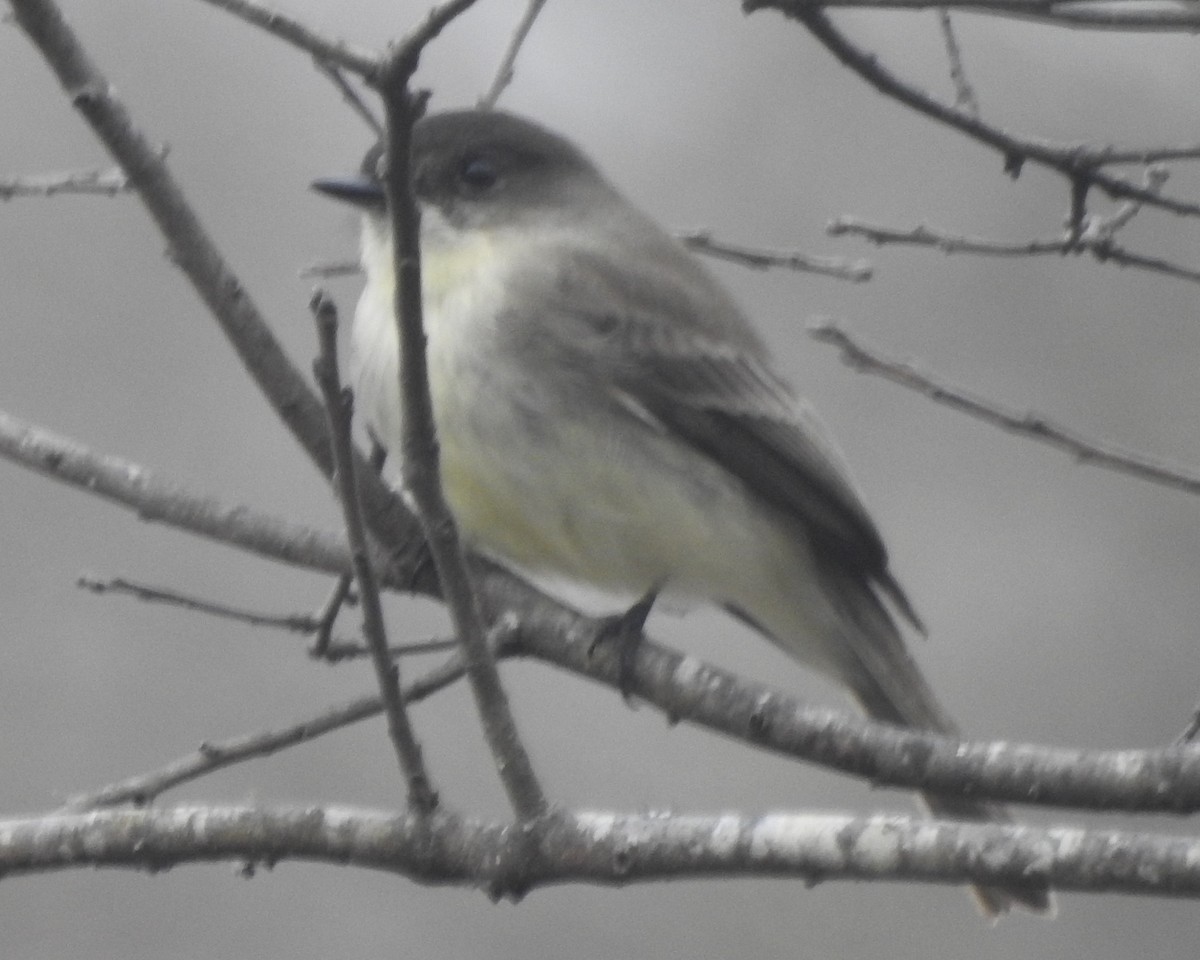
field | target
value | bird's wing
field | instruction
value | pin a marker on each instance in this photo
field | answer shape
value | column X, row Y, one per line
column 671, row 346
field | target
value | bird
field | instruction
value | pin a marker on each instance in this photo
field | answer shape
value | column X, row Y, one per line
column 607, row 414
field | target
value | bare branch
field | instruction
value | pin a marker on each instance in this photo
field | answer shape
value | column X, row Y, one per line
column 304, row 624
column 1148, row 15
column 288, row 28
column 507, row 69
column 158, row 500
column 606, row 848
column 340, row 403
column 702, row 242
column 212, row 756
column 1092, row 234
column 323, row 622
column 334, row 651
column 690, row 691
column 1032, row 425
column 195, row 253
column 332, row 268
column 106, row 183
column 350, row 95
column 419, row 445
column 1074, row 163
column 964, row 93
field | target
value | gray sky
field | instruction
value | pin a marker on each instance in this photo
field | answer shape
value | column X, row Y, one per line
column 1061, row 598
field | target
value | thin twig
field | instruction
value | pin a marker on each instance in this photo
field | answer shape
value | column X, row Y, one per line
column 322, row 634
column 107, row 183
column 305, row 624
column 1141, row 155
column 332, row 268
column 702, row 242
column 212, row 756
column 350, row 95
column 1191, row 731
column 925, row 236
column 1085, row 449
column 419, row 447
column 288, row 28
column 340, row 402
column 964, row 94
column 507, row 69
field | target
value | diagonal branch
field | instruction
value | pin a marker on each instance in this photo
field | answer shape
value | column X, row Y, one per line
column 1032, row 425
column 507, row 69
column 419, row 444
column 693, row 692
column 297, row 34
column 340, row 404
column 1077, row 164
column 195, row 253
column 213, row 756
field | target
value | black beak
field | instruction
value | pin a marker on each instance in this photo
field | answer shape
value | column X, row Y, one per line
column 356, row 189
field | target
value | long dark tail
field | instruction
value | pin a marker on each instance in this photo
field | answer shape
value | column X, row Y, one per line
column 993, row 901
column 889, row 685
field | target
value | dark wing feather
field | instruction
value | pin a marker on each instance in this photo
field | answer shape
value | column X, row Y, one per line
column 723, row 400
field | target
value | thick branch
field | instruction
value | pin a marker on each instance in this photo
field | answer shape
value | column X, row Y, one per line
column 607, row 848
column 159, row 500
column 688, row 690
column 195, row 253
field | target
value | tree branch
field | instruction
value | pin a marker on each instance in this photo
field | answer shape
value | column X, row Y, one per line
column 1032, row 425
column 419, row 444
column 702, row 241
column 1145, row 15
column 1077, row 164
column 158, row 500
column 211, row 756
column 339, row 403
column 687, row 690
column 360, row 62
column 604, row 848
column 105, row 183
column 507, row 69
column 194, row 252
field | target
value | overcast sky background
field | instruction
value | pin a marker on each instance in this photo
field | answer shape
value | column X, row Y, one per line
column 1061, row 598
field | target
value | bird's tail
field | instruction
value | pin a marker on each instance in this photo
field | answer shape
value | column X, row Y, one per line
column 889, row 685
column 992, row 901
column 840, row 626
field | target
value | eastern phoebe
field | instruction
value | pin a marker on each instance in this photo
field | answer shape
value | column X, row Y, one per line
column 607, row 414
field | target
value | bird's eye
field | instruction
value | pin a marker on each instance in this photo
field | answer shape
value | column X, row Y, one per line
column 478, row 173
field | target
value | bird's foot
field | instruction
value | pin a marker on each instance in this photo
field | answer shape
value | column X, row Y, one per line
column 626, row 631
